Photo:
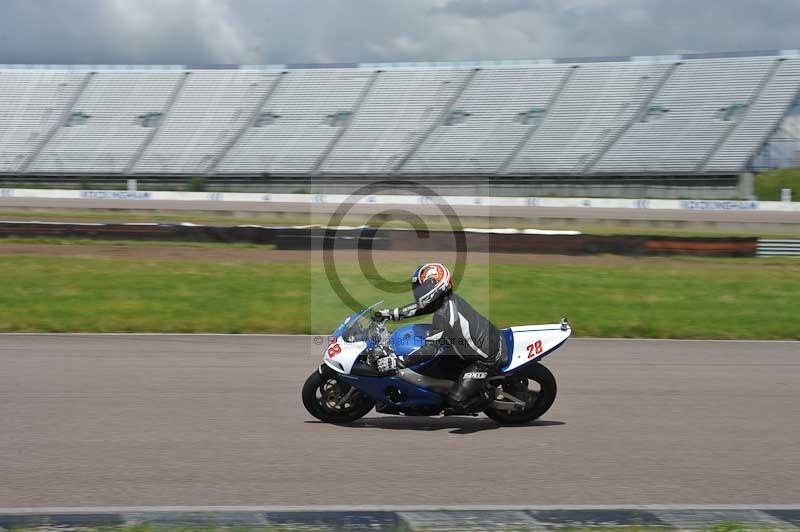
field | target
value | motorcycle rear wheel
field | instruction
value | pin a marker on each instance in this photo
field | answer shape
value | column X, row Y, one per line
column 540, row 401
column 323, row 395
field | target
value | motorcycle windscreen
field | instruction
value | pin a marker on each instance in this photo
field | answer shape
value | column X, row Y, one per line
column 348, row 341
column 355, row 324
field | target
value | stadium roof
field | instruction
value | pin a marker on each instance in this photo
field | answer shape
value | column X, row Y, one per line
column 793, row 53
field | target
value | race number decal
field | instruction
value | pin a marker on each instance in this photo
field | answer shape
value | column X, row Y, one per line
column 535, row 349
column 334, row 348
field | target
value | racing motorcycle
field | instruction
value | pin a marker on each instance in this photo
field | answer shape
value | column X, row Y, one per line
column 347, row 384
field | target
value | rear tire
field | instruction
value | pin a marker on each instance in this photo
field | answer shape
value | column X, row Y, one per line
column 322, row 393
column 541, row 402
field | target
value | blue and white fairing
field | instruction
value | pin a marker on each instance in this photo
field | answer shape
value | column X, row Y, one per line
column 531, row 343
column 346, row 344
column 349, row 341
column 526, row 344
column 408, row 338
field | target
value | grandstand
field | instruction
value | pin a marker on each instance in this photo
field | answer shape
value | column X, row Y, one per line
column 694, row 117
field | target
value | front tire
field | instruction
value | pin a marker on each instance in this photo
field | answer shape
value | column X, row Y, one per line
column 539, row 400
column 326, row 398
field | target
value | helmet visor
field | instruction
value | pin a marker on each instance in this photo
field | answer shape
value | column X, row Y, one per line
column 420, row 290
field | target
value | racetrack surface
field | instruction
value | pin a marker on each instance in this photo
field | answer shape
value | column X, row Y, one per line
column 179, row 419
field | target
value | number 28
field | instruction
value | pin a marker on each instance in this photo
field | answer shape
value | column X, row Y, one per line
column 535, row 349
column 334, row 348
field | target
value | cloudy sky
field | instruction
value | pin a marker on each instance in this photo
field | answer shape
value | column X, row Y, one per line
column 323, row 31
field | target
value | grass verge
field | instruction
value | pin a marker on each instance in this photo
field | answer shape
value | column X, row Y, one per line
column 651, row 298
column 768, row 185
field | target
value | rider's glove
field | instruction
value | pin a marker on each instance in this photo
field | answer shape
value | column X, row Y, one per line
column 387, row 364
column 383, row 315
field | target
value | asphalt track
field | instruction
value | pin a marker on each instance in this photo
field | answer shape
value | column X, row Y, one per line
column 89, row 420
column 543, row 215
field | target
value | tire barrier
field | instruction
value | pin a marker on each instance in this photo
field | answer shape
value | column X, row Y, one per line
column 308, row 238
column 778, row 248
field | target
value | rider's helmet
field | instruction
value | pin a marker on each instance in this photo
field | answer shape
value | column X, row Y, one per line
column 429, row 283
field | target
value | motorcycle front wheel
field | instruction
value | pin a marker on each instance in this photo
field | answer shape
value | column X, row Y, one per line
column 536, row 386
column 332, row 401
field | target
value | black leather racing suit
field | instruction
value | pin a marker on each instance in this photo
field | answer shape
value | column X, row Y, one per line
column 462, row 331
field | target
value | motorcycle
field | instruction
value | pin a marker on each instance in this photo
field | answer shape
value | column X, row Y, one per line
column 347, row 384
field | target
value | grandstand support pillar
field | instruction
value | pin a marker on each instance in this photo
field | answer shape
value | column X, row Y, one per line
column 504, row 168
column 323, row 159
column 637, row 117
column 438, row 122
column 154, row 131
column 771, row 73
column 247, row 125
column 23, row 168
column 746, row 188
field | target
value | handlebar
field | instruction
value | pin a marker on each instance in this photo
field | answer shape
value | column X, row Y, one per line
column 378, row 332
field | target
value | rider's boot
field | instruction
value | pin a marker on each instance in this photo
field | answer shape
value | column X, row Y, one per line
column 467, row 395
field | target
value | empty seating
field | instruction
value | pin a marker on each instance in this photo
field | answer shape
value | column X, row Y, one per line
column 298, row 122
column 597, row 103
column 497, row 109
column 760, row 120
column 669, row 115
column 32, row 103
column 400, row 108
column 690, row 114
column 210, row 109
column 119, row 110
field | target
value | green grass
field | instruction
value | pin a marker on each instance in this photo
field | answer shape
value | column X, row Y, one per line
column 656, row 298
column 151, row 216
column 117, row 295
column 768, row 185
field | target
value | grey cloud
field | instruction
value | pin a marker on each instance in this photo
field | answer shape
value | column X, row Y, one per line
column 483, row 8
column 120, row 31
column 295, row 31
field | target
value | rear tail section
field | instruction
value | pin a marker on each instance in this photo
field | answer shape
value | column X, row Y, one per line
column 530, row 343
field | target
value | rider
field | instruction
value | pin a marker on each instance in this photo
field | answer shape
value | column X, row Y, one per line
column 457, row 327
